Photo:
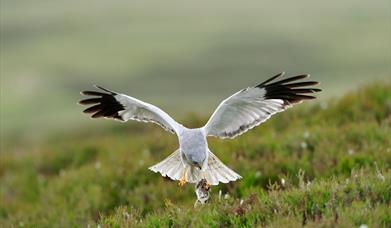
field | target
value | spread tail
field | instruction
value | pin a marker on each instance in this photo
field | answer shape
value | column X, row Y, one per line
column 216, row 172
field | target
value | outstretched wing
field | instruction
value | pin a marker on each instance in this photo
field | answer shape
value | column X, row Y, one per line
column 252, row 106
column 109, row 104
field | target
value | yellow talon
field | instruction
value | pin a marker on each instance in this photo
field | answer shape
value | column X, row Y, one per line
column 183, row 181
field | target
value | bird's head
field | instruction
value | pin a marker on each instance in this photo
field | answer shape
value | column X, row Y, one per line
column 198, row 165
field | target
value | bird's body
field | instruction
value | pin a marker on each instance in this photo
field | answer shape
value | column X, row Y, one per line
column 194, row 147
column 193, row 161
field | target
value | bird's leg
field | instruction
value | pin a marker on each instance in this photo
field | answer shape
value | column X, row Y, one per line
column 182, row 181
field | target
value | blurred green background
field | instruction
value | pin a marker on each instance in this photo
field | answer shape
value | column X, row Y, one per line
column 179, row 55
column 60, row 167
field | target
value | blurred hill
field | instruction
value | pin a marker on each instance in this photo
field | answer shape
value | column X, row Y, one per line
column 182, row 56
column 314, row 164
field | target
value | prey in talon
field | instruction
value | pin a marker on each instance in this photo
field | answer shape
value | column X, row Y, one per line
column 202, row 191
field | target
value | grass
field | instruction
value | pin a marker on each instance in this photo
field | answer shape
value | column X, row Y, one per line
column 317, row 164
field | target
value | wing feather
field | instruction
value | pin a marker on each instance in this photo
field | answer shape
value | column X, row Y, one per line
column 254, row 105
column 122, row 107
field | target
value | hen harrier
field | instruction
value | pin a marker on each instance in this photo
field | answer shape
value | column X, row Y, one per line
column 193, row 161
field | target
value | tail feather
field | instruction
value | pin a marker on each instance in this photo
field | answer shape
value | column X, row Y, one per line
column 172, row 171
column 218, row 172
column 193, row 175
column 170, row 167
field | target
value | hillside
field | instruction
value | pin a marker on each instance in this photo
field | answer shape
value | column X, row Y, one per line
column 318, row 163
column 51, row 50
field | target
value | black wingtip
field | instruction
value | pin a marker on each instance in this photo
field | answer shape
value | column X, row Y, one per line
column 92, row 93
column 291, row 90
column 104, row 104
column 104, row 89
column 271, row 79
column 89, row 101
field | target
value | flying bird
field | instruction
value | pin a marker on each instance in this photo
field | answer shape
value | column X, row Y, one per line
column 193, row 161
